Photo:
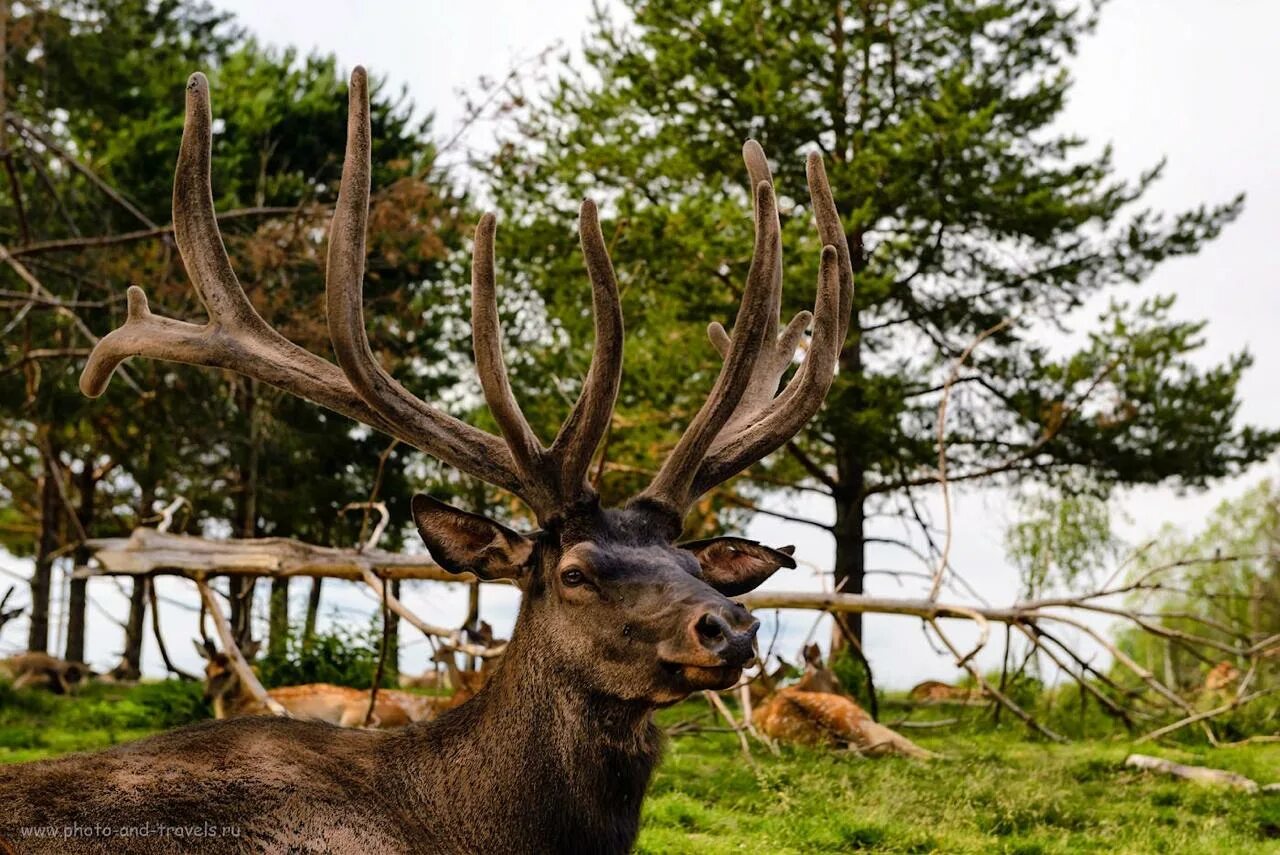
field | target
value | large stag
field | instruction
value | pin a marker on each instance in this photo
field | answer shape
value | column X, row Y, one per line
column 617, row 619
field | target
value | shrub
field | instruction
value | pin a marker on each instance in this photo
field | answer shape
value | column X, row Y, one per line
column 342, row 656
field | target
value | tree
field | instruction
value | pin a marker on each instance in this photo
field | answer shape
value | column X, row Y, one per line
column 96, row 91
column 967, row 214
column 1221, row 583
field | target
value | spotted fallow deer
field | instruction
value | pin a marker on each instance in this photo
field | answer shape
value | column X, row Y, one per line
column 816, row 711
column 616, row 619
column 340, row 705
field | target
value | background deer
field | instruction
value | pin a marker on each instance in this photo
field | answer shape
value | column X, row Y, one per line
column 340, row 705
column 816, row 711
column 59, row 676
column 555, row 752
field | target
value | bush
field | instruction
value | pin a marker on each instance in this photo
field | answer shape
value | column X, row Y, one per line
column 851, row 674
column 342, row 656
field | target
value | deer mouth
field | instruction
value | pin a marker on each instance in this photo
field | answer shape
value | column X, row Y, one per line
column 700, row 677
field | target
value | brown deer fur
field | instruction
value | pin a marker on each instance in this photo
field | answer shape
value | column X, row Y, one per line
column 59, row 676
column 340, row 705
column 815, row 712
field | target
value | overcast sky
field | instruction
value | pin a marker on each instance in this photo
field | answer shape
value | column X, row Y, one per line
column 1192, row 81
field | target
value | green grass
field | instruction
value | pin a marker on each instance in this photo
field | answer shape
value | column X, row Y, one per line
column 994, row 792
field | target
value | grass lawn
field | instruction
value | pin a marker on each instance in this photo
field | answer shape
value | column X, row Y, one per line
column 995, row 791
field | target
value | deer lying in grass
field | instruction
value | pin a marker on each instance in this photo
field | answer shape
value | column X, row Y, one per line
column 60, row 676
column 937, row 692
column 340, row 705
column 816, row 712
column 616, row 619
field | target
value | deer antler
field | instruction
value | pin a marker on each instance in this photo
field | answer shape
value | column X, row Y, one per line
column 745, row 418
column 237, row 338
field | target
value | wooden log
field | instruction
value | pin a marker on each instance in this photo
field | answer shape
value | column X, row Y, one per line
column 150, row 552
column 1202, row 774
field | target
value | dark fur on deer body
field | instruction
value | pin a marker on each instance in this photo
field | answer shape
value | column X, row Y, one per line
column 532, row 764
column 553, row 755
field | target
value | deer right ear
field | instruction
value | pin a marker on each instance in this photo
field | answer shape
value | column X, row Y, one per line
column 205, row 650
column 463, row 542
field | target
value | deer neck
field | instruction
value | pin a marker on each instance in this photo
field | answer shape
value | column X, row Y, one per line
column 558, row 761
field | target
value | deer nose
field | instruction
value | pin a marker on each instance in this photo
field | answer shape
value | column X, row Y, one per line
column 734, row 644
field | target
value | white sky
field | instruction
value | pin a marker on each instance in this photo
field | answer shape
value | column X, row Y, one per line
column 1161, row 78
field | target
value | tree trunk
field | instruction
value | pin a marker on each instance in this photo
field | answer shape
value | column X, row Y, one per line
column 851, row 558
column 241, row 587
column 473, row 617
column 393, row 637
column 313, row 610
column 42, row 577
column 278, row 618
column 79, row 596
column 130, row 667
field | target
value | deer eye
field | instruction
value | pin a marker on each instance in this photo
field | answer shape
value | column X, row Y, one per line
column 572, row 578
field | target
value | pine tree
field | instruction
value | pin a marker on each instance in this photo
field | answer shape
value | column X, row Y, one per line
column 965, row 207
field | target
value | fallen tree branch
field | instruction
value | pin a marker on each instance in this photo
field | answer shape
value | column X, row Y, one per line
column 452, row 638
column 239, row 664
column 1202, row 774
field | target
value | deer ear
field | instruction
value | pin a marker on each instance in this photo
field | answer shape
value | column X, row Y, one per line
column 250, row 650
column 205, row 650
column 735, row 565
column 462, row 542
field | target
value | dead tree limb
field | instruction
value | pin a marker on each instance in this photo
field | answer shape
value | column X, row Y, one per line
column 160, row 645
column 239, row 664
column 1203, row 774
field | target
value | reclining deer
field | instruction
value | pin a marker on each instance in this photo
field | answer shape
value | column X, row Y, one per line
column 340, row 705
column 616, row 617
column 31, row 669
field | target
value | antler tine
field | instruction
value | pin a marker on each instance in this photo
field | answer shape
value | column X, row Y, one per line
column 779, row 351
column 791, row 410
column 670, row 488
column 195, row 224
column 452, row 441
column 831, row 233
column 767, row 429
column 589, row 419
column 486, row 339
column 236, row 337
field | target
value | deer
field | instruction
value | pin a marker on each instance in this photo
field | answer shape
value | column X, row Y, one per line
column 618, row 615
column 36, row 669
column 816, row 711
column 934, row 692
column 340, row 705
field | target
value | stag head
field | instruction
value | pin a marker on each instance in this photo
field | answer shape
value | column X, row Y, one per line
column 609, row 595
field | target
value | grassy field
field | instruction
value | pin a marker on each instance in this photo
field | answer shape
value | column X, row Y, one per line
column 994, row 791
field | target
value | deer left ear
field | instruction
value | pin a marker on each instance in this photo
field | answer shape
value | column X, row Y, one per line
column 735, row 565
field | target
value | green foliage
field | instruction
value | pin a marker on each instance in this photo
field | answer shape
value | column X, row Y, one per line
column 1221, row 583
column 343, row 656
column 1059, row 539
column 105, row 81
column 851, row 674
column 964, row 202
